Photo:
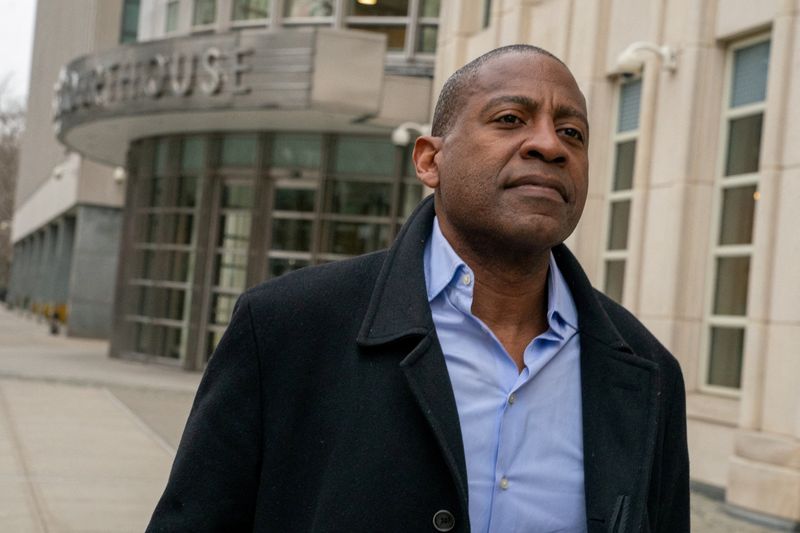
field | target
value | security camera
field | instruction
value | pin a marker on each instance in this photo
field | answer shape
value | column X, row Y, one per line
column 631, row 61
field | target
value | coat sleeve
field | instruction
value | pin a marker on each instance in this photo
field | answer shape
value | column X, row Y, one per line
column 670, row 495
column 214, row 479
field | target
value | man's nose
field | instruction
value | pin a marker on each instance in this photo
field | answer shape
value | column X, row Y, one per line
column 542, row 142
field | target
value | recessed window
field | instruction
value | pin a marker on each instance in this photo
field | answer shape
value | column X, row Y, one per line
column 171, row 20
column 250, row 9
column 129, row 30
column 205, row 12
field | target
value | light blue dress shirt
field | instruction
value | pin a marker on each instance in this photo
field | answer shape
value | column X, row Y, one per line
column 522, row 432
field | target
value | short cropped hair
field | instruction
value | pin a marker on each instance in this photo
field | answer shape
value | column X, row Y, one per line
column 451, row 99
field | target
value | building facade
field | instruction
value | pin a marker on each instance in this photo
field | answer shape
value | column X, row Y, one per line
column 255, row 138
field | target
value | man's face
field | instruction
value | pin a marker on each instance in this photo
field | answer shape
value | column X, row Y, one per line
column 511, row 174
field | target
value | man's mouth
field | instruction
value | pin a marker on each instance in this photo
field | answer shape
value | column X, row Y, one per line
column 539, row 186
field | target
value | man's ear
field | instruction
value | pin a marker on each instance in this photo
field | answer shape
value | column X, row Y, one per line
column 425, row 149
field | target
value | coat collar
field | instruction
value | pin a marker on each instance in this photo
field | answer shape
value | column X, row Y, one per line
column 619, row 388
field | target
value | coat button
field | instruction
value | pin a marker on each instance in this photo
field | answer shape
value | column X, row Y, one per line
column 444, row 521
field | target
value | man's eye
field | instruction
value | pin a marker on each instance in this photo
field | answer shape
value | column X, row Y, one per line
column 574, row 133
column 509, row 119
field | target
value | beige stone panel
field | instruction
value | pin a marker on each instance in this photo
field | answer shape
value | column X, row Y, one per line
column 586, row 242
column 768, row 448
column 587, row 39
column 686, row 336
column 661, row 328
column 687, row 22
column 710, row 446
column 514, row 24
column 542, row 32
column 785, row 278
column 695, row 239
column 97, row 186
column 631, row 21
column 460, row 18
column 781, row 406
column 712, row 408
column 778, row 89
column 482, row 42
column 735, row 17
column 753, row 384
column 764, row 488
column 660, row 252
column 791, row 133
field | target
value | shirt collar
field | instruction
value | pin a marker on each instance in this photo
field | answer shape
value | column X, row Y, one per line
column 442, row 265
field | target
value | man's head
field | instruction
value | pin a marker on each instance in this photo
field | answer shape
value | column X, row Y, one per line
column 508, row 154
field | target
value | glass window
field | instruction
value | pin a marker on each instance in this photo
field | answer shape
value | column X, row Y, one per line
column 738, row 212
column 427, row 39
column 179, row 266
column 744, row 145
column 280, row 266
column 750, row 69
column 615, row 279
column 171, row 20
column 412, row 194
column 360, row 198
column 193, row 154
column 238, row 196
column 296, row 150
column 308, row 8
column 234, row 230
column 629, row 104
column 618, row 230
column 250, row 9
column 353, row 238
column 162, row 158
column 129, row 31
column 239, row 150
column 230, row 271
column 222, row 308
column 382, row 8
column 205, row 12
column 364, row 155
column 429, row 8
column 730, row 295
column 725, row 360
column 187, row 191
column 291, row 234
column 295, row 199
column 624, row 164
column 395, row 34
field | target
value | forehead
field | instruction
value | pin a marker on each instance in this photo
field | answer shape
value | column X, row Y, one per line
column 532, row 75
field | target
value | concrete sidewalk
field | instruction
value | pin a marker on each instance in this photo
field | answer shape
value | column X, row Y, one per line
column 86, row 442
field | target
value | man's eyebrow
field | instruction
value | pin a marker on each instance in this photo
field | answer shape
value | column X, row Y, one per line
column 568, row 111
column 561, row 111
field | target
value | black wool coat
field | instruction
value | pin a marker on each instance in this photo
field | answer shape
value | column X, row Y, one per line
column 327, row 407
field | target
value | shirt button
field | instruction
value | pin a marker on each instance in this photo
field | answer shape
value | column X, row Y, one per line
column 466, row 279
column 444, row 520
column 504, row 483
column 511, row 399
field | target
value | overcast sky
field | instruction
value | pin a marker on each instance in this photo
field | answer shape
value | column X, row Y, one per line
column 16, row 42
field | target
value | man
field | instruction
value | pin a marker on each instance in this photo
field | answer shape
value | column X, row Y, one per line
column 469, row 379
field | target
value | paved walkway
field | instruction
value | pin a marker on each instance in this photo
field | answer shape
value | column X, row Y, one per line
column 86, row 442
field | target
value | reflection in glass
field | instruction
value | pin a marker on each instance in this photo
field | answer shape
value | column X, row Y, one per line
column 239, row 150
column 360, row 198
column 237, row 196
column 730, row 295
column 234, row 230
column 395, row 35
column 364, row 155
column 308, row 8
column 296, row 150
column 615, row 279
column 193, row 154
column 291, row 234
column 295, row 199
column 725, row 357
column 618, row 228
column 384, row 8
column 250, row 9
column 623, row 165
column 426, row 39
column 744, row 145
column 230, row 271
column 738, row 211
column 352, row 238
column 279, row 266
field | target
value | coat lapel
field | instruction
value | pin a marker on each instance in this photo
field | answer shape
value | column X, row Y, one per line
column 619, row 398
column 398, row 310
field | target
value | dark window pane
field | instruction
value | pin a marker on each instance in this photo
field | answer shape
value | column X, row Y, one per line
column 237, row 196
column 360, row 198
column 730, row 296
column 157, row 188
column 738, row 211
column 234, row 230
column 205, row 12
column 171, row 344
column 161, row 161
column 630, row 98
column 295, row 199
column 130, row 21
column 296, row 151
column 382, row 8
column 289, row 234
column 193, row 154
column 280, row 266
column 429, row 8
column 426, row 39
column 615, row 279
column 364, row 155
column 222, row 308
column 212, row 339
column 308, row 8
column 353, row 239
column 239, row 150
column 179, row 266
column 412, row 194
column 230, row 271
column 395, row 35
column 187, row 191
column 250, row 9
column 146, row 264
column 181, row 229
column 744, row 145
column 618, row 226
column 725, row 357
column 750, row 67
column 623, row 165
column 152, row 223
